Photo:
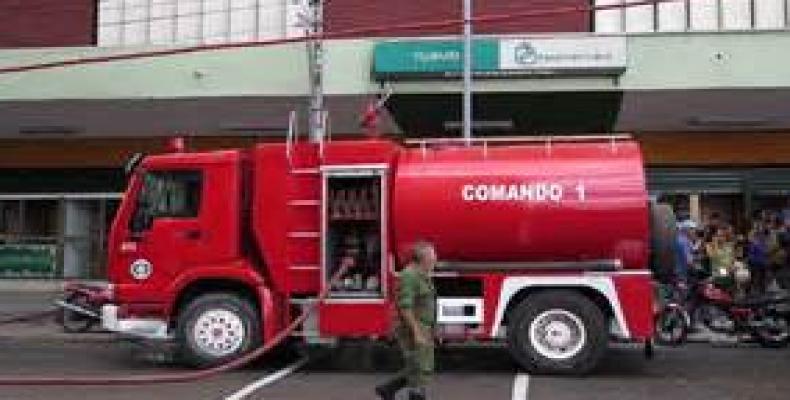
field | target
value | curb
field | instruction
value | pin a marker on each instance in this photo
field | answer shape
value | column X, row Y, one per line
column 57, row 339
column 51, row 333
column 15, row 285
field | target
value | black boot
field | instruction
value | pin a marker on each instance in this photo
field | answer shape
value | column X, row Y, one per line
column 417, row 394
column 387, row 390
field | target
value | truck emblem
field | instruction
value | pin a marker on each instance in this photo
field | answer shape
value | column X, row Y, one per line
column 141, row 269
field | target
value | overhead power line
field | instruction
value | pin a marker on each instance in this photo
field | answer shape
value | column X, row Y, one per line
column 338, row 34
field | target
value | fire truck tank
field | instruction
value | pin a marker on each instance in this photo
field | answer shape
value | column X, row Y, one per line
column 566, row 201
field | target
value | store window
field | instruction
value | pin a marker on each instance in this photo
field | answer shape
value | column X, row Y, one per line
column 54, row 236
column 730, row 195
column 28, row 238
column 680, row 202
column 728, row 208
column 692, row 15
column 639, row 18
column 191, row 22
column 671, row 17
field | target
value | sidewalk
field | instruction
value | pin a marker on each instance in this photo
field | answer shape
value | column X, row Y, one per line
column 47, row 331
column 13, row 285
column 36, row 297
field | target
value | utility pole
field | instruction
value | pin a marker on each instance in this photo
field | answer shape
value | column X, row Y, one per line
column 315, row 59
column 467, row 101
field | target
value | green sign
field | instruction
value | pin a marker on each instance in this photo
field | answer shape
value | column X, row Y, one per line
column 27, row 260
column 497, row 58
column 432, row 57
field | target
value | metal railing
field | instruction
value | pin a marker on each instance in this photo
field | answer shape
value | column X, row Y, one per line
column 484, row 143
column 518, row 139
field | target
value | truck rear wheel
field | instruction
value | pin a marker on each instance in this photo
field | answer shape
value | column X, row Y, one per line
column 558, row 331
column 216, row 328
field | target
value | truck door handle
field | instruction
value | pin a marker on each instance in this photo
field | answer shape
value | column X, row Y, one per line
column 192, row 234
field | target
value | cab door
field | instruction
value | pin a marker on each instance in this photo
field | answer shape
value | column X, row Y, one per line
column 185, row 216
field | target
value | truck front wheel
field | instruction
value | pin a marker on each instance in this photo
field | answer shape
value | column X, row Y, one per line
column 558, row 331
column 215, row 328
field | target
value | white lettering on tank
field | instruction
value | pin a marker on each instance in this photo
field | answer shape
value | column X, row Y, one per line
column 540, row 194
column 481, row 193
column 497, row 192
column 532, row 192
column 512, row 193
column 555, row 192
column 468, row 192
column 580, row 191
column 525, row 192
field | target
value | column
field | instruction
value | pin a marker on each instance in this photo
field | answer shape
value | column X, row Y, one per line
column 76, row 251
column 695, row 212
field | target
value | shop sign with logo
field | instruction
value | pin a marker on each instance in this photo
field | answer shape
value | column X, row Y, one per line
column 579, row 55
column 424, row 58
column 497, row 58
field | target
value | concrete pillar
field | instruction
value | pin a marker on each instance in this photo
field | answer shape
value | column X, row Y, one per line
column 695, row 210
column 76, row 246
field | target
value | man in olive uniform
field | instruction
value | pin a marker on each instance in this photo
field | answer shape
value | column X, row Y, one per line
column 416, row 319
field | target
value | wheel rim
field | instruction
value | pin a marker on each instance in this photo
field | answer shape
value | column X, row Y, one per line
column 76, row 321
column 670, row 326
column 557, row 334
column 776, row 329
column 219, row 332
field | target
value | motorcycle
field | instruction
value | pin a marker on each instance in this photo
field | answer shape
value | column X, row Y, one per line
column 673, row 321
column 764, row 318
column 79, row 310
column 761, row 317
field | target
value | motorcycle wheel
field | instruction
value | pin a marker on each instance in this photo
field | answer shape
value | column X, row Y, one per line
column 671, row 326
column 72, row 321
column 773, row 333
column 714, row 318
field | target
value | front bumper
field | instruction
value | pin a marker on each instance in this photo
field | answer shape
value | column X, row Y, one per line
column 145, row 328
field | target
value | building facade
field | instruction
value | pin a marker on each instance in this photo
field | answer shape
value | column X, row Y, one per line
column 702, row 84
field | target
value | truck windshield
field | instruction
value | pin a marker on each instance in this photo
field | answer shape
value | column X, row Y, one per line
column 170, row 194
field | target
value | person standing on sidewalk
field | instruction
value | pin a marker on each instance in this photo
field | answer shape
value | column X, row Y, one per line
column 416, row 301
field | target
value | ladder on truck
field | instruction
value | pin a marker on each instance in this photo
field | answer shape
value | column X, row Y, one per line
column 304, row 209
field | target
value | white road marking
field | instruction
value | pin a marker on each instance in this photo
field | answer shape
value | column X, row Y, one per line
column 267, row 380
column 521, row 387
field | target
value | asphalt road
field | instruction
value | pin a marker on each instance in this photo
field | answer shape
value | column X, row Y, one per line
column 698, row 371
column 23, row 302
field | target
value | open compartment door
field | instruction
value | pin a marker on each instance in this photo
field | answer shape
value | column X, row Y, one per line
column 354, row 229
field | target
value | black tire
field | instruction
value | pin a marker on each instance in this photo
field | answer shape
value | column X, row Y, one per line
column 594, row 340
column 715, row 318
column 72, row 321
column 774, row 336
column 204, row 308
column 671, row 327
column 663, row 232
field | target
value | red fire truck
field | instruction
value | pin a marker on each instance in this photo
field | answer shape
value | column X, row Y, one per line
column 543, row 244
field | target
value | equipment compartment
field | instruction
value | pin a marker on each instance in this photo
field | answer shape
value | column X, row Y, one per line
column 353, row 233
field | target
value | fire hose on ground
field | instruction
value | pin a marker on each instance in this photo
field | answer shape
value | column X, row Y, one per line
column 36, row 316
column 179, row 377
